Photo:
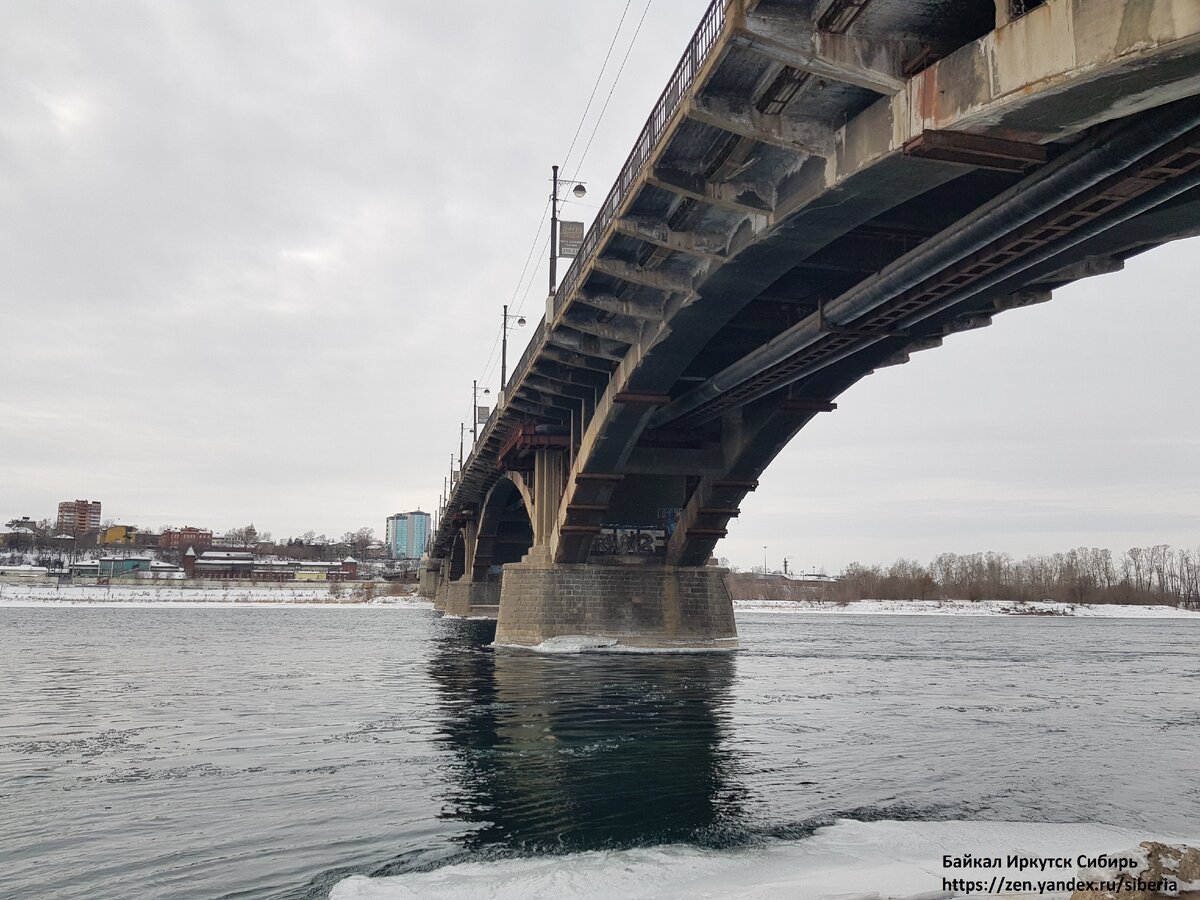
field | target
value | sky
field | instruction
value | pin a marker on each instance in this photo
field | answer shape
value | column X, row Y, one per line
column 254, row 255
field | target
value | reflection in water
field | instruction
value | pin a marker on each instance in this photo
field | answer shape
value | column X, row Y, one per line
column 580, row 752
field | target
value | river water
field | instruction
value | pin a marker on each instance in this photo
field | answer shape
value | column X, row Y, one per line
column 255, row 753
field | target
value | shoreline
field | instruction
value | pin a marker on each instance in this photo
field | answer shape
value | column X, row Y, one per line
column 17, row 595
column 968, row 608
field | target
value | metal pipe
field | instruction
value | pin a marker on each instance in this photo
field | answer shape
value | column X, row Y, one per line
column 1085, row 165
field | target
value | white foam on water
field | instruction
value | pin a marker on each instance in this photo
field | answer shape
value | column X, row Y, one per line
column 584, row 643
column 575, row 643
column 849, row 860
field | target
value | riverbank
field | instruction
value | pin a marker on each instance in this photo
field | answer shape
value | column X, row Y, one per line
column 229, row 594
column 240, row 595
column 966, row 608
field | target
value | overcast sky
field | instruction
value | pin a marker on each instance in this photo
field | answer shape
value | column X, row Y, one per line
column 253, row 255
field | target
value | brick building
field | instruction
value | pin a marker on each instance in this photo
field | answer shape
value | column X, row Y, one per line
column 77, row 516
column 182, row 538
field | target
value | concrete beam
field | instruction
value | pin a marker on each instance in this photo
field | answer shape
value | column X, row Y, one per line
column 710, row 245
column 646, row 310
column 1088, row 268
column 659, row 281
column 554, row 386
column 578, row 360
column 537, row 411
column 610, row 331
column 741, row 197
column 792, row 39
column 567, row 338
column 1019, row 299
column 531, row 394
column 570, row 375
column 814, row 137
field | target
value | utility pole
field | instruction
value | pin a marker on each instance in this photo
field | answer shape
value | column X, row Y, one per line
column 553, row 231
column 504, row 350
column 462, row 430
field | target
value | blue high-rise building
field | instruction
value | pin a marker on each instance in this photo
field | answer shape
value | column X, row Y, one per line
column 407, row 534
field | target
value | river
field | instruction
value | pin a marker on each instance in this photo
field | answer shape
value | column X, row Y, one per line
column 276, row 753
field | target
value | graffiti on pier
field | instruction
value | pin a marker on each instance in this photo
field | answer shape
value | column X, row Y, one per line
column 630, row 540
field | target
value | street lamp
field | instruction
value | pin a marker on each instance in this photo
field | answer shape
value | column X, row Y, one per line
column 764, row 559
column 504, row 347
column 475, row 411
column 579, row 191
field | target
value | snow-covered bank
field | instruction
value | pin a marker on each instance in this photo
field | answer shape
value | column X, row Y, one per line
column 231, row 595
column 849, row 860
column 966, row 608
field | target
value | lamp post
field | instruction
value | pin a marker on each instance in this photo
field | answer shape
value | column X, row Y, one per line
column 764, row 559
column 579, row 191
column 504, row 347
column 475, row 411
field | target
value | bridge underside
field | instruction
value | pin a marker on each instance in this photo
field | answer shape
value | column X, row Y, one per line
column 823, row 190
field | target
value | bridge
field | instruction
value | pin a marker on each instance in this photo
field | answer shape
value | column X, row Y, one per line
column 823, row 188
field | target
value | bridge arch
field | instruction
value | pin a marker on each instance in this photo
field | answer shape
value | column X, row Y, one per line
column 505, row 526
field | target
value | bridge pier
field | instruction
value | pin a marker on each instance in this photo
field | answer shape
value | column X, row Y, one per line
column 427, row 578
column 638, row 605
column 473, row 599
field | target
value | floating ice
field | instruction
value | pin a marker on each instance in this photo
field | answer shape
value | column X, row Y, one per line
column 575, row 643
column 849, row 860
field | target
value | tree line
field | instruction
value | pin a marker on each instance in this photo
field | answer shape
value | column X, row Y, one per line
column 1141, row 575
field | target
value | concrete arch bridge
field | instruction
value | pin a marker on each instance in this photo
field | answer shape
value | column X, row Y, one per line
column 823, row 188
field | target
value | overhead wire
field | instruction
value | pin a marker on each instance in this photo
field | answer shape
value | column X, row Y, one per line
column 491, row 361
column 613, row 87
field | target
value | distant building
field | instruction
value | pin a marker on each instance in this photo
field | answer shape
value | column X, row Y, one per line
column 181, row 538
column 75, row 516
column 118, row 534
column 224, row 565
column 407, row 534
column 133, row 567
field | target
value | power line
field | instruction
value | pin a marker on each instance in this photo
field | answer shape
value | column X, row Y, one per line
column 613, row 87
column 596, row 86
column 490, row 363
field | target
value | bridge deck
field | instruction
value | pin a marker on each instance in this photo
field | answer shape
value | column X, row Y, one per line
column 814, row 199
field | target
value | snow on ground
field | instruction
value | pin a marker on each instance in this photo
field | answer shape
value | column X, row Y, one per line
column 17, row 594
column 29, row 593
column 965, row 608
column 849, row 860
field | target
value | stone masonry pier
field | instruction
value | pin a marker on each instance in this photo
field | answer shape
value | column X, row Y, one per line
column 664, row 607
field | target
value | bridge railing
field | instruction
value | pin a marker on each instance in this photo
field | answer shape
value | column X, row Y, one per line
column 693, row 58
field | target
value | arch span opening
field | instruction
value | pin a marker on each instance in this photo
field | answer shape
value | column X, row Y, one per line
column 505, row 530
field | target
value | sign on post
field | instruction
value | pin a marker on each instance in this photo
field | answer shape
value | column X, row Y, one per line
column 481, row 414
column 570, row 238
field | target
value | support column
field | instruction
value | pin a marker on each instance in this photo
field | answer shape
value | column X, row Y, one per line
column 651, row 606
column 549, row 479
column 470, row 545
